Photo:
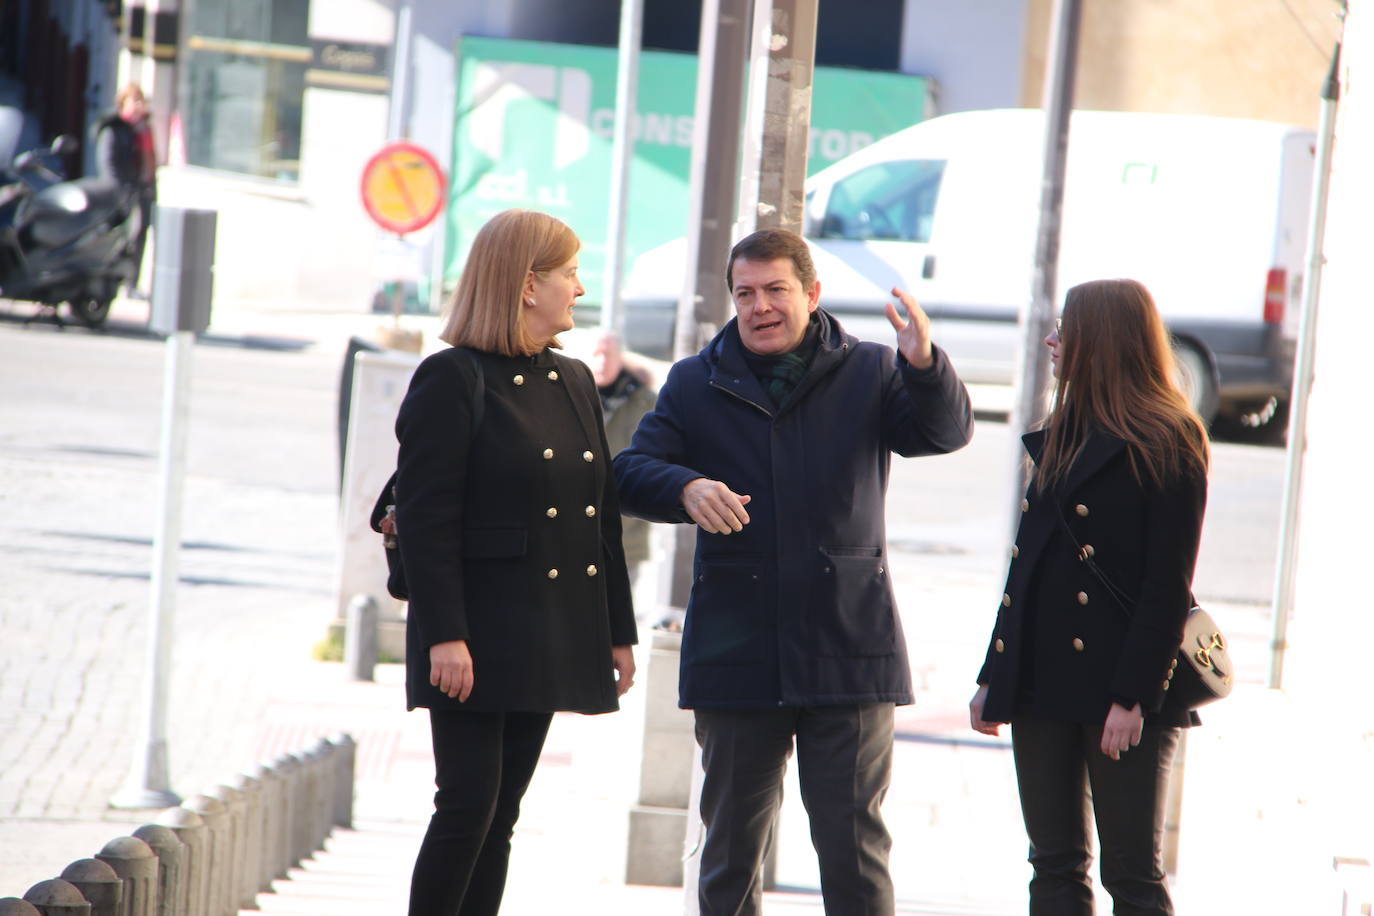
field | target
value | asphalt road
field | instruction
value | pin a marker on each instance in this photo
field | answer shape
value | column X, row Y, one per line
column 267, row 417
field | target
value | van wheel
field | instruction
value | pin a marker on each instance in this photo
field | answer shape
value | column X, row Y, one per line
column 90, row 310
column 1196, row 380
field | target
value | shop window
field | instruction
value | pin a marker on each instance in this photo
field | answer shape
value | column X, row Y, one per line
column 243, row 85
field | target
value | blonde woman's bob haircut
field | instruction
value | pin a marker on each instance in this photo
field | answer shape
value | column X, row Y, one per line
column 486, row 312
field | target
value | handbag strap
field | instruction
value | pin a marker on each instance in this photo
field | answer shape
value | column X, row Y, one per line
column 1120, row 596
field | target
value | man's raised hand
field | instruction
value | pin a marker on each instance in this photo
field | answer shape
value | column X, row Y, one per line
column 913, row 330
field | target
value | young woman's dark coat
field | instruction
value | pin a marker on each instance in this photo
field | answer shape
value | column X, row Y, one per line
column 510, row 533
column 797, row 609
column 1083, row 649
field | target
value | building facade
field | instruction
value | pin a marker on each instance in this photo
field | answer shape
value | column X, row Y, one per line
column 268, row 110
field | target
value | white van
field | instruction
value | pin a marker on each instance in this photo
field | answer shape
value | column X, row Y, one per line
column 1209, row 213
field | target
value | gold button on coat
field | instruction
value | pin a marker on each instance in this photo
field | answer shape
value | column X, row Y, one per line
column 1165, row 685
column 519, row 380
column 553, row 376
column 591, row 570
column 1015, row 551
column 1025, row 505
column 1081, row 510
column 1082, row 597
column 590, row 510
column 553, row 574
column 1006, row 600
column 1000, row 646
column 551, row 512
column 1077, row 644
column 548, row 453
column 586, row 456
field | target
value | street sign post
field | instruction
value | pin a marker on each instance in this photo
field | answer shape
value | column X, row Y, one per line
column 403, row 191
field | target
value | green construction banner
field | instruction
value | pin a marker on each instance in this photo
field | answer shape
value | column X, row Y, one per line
column 535, row 121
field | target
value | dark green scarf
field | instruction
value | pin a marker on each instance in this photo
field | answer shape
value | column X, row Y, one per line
column 780, row 375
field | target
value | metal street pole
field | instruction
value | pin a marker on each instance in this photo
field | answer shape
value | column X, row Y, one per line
column 622, row 157
column 1033, row 364
column 703, row 307
column 713, row 181
column 1302, row 375
column 148, row 784
column 397, row 124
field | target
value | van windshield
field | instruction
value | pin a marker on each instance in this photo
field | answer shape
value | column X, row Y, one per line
column 887, row 200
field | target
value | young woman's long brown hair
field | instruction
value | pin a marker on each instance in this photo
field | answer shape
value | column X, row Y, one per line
column 1116, row 375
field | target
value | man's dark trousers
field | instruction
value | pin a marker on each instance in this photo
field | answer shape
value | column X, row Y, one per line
column 844, row 766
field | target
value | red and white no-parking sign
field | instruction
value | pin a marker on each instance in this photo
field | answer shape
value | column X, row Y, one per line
column 403, row 188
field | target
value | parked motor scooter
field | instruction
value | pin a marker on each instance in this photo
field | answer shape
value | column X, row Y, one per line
column 64, row 242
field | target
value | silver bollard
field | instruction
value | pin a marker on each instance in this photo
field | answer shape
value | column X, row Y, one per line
column 289, row 766
column 345, row 769
column 232, row 864
column 249, row 787
column 311, row 802
column 190, row 829
column 56, row 897
column 218, row 850
column 302, row 785
column 360, row 637
column 98, row 883
column 322, row 804
column 171, row 872
column 134, row 862
column 273, row 825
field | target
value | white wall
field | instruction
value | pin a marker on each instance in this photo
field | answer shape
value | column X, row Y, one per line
column 973, row 50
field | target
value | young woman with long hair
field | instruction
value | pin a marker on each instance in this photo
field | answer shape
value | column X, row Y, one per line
column 1119, row 478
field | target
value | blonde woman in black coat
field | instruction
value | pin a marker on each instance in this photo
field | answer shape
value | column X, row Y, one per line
column 509, row 532
column 1120, row 474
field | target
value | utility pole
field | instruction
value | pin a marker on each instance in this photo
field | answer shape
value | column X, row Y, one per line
column 723, row 49
column 777, row 125
column 1302, row 375
column 622, row 159
column 1032, row 359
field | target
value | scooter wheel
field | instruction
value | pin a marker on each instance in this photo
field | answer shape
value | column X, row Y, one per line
column 90, row 311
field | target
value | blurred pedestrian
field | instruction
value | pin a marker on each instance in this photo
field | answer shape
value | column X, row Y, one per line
column 124, row 152
column 775, row 440
column 509, row 533
column 1119, row 482
column 627, row 394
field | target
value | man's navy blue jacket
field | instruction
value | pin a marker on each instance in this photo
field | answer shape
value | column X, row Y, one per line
column 797, row 609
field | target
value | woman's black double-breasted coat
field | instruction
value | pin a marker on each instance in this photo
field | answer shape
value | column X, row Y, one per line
column 1062, row 647
column 509, row 531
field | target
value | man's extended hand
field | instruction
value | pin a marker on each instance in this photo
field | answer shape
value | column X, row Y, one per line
column 713, row 506
column 913, row 331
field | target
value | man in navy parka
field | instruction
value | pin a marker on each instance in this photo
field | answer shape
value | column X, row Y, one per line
column 775, row 440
